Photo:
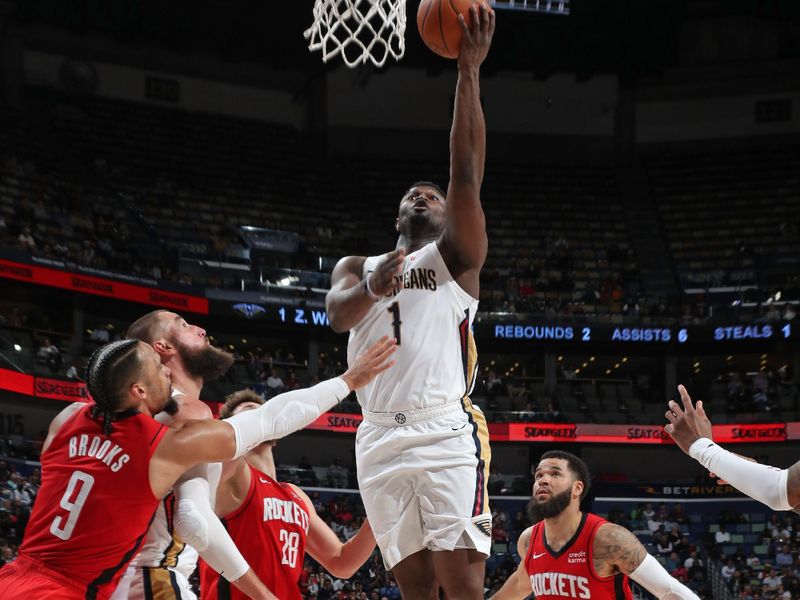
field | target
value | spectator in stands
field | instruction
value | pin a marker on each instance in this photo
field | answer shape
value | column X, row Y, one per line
column 26, row 241
column 672, row 561
column 499, row 534
column 72, row 372
column 291, row 382
column 782, row 532
column 722, row 536
column 784, row 557
column 790, row 581
column 390, row 589
column 675, row 536
column 654, row 522
column 274, row 384
column 789, row 313
column 494, row 385
column 728, row 570
column 770, row 580
column 664, row 546
column 753, row 560
column 49, row 355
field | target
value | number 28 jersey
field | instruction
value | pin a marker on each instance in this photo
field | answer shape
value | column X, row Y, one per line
column 95, row 502
column 431, row 317
column 270, row 530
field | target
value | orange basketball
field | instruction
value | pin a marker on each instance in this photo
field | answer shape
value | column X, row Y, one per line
column 437, row 21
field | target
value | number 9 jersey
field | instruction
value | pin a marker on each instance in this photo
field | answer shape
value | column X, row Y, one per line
column 431, row 317
column 92, row 511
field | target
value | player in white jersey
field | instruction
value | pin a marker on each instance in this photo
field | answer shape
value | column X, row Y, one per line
column 166, row 561
column 422, row 451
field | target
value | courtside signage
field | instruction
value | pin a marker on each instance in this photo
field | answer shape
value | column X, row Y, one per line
column 99, row 286
column 580, row 433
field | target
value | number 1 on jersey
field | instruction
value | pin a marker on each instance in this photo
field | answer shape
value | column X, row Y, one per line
column 396, row 322
column 72, row 507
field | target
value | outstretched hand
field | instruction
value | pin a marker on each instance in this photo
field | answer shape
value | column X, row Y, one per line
column 371, row 363
column 477, row 35
column 687, row 424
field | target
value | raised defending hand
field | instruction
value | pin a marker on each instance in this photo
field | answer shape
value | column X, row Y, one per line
column 368, row 365
column 685, row 424
column 477, row 36
column 382, row 280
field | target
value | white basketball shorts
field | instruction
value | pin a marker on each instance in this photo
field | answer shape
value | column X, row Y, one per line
column 422, row 476
column 148, row 583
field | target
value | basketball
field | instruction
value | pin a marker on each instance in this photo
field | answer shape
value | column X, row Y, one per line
column 437, row 21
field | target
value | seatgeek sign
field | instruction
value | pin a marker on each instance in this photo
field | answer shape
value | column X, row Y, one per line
column 101, row 286
column 580, row 433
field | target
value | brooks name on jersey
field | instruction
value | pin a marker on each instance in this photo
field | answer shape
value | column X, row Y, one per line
column 96, row 446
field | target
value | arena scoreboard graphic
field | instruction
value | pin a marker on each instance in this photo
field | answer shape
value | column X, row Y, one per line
column 623, row 334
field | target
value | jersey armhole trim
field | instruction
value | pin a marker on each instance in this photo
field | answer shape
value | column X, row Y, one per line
column 78, row 411
column 597, row 525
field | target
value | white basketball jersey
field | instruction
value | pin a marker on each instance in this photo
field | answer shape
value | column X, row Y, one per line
column 431, row 317
column 162, row 547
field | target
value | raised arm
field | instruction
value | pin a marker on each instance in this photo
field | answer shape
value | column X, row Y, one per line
column 616, row 550
column 340, row 559
column 518, row 584
column 351, row 296
column 464, row 243
column 691, row 429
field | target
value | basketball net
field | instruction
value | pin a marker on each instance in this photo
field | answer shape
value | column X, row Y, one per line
column 358, row 30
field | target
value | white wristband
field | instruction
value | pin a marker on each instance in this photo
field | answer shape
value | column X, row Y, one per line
column 764, row 483
column 370, row 293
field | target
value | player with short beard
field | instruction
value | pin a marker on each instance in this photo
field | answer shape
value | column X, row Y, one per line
column 185, row 523
column 169, row 556
column 573, row 554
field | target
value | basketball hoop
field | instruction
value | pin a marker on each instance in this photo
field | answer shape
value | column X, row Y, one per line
column 358, row 30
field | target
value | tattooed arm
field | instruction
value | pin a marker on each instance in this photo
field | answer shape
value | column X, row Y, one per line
column 616, row 550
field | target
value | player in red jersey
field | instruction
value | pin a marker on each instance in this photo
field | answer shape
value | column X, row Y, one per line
column 274, row 524
column 106, row 465
column 572, row 554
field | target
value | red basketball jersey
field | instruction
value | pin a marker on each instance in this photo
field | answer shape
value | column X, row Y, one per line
column 95, row 503
column 569, row 573
column 270, row 529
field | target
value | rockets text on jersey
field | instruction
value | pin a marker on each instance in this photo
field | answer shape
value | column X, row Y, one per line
column 270, row 530
column 569, row 572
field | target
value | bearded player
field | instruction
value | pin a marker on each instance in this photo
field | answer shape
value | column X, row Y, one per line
column 185, row 523
column 107, row 465
column 574, row 554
